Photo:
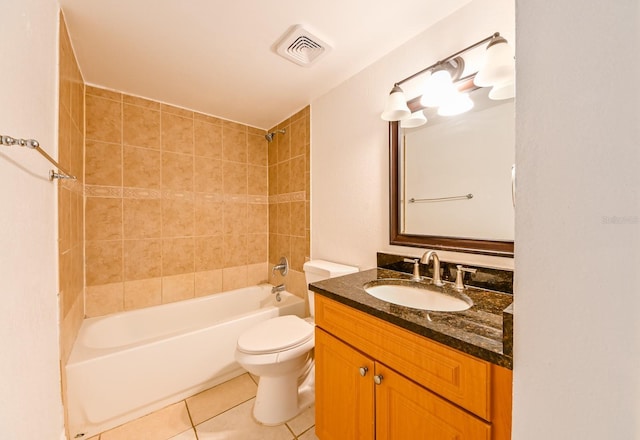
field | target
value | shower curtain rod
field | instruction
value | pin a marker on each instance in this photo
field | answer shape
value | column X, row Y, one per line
column 35, row 145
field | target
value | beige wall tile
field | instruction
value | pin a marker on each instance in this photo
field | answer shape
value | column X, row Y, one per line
column 218, row 399
column 104, row 299
column 104, row 218
column 257, row 149
column 103, row 93
column 297, row 176
column 141, row 126
column 274, row 256
column 256, row 131
column 208, row 217
column 177, row 171
column 284, row 145
column 166, row 108
column 209, row 253
column 141, row 168
column 235, row 250
column 272, row 152
column 258, row 218
column 234, row 178
column 207, row 118
column 257, row 273
column 234, row 126
column 177, row 133
column 103, row 262
column 142, row 259
column 142, row 218
column 297, row 284
column 298, row 218
column 64, row 219
column 177, row 218
column 273, row 218
column 208, row 282
column 284, row 177
column 208, row 139
column 103, row 164
column 208, row 175
column 273, row 180
column 284, row 218
column 299, row 250
column 104, row 119
column 177, row 287
column 257, row 248
column 140, row 102
column 258, row 180
column 161, row 424
column 283, row 246
column 234, row 278
column 299, row 138
column 234, row 145
column 235, row 218
column 177, row 256
column 142, row 293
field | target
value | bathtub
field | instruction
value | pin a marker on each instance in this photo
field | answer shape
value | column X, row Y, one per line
column 128, row 364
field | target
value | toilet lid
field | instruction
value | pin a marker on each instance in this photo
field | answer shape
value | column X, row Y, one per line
column 276, row 334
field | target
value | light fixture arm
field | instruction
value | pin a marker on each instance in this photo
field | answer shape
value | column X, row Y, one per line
column 449, row 58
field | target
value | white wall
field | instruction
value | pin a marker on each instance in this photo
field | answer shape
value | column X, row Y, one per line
column 349, row 142
column 30, row 407
column 577, row 302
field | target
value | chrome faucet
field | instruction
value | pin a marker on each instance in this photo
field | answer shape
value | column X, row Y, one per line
column 282, row 267
column 277, row 290
column 436, row 266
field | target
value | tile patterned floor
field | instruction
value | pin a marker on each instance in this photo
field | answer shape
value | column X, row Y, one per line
column 219, row 413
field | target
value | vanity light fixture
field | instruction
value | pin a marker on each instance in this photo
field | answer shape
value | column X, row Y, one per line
column 396, row 108
column 415, row 120
column 440, row 90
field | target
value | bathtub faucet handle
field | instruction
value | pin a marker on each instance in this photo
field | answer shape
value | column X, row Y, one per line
column 282, row 266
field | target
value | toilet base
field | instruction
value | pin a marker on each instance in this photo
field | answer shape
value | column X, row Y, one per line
column 280, row 399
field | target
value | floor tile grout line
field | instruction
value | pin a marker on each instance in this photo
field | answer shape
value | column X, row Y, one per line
column 193, row 427
column 223, row 412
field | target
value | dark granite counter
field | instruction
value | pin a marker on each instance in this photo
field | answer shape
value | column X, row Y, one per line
column 479, row 331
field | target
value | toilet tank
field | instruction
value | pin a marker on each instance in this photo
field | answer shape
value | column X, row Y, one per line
column 318, row 270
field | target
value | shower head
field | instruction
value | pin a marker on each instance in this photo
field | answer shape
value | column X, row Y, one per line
column 269, row 136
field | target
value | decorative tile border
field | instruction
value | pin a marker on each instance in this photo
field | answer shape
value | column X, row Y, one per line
column 299, row 196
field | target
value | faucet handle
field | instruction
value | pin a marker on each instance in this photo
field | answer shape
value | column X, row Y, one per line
column 460, row 276
column 416, row 268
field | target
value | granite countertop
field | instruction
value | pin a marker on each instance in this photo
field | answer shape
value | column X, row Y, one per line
column 484, row 330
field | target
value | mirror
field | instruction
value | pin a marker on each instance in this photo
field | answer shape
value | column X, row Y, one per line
column 451, row 179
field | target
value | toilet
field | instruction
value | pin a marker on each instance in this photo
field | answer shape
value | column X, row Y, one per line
column 280, row 352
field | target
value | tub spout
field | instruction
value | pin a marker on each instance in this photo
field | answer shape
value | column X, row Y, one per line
column 277, row 290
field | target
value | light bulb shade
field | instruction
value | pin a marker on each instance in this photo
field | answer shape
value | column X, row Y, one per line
column 396, row 107
column 498, row 66
column 415, row 120
column 503, row 91
column 438, row 89
column 458, row 104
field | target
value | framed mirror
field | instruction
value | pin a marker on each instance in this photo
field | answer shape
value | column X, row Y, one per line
column 451, row 180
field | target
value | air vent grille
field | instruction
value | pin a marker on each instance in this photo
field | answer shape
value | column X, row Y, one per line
column 301, row 47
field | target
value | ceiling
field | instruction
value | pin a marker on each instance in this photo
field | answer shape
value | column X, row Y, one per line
column 219, row 58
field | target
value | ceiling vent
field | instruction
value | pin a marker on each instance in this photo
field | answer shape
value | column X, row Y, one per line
column 301, row 47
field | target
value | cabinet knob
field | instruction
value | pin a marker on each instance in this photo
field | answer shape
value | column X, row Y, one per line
column 377, row 379
column 363, row 371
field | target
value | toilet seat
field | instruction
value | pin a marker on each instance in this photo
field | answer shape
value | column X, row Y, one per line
column 276, row 335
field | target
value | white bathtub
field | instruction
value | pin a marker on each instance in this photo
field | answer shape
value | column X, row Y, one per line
column 128, row 364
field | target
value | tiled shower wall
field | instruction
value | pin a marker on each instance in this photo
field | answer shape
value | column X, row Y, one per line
column 70, row 197
column 177, row 203
column 289, row 196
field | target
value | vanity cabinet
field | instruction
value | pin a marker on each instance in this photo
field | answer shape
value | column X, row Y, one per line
column 375, row 380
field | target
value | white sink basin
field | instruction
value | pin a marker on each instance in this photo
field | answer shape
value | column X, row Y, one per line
column 418, row 296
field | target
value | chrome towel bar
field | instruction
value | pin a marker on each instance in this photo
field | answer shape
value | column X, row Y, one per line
column 441, row 199
column 35, row 145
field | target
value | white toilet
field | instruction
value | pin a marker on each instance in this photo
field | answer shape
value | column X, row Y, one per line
column 280, row 351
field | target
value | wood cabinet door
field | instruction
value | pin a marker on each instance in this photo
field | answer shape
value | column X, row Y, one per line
column 344, row 396
column 405, row 410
